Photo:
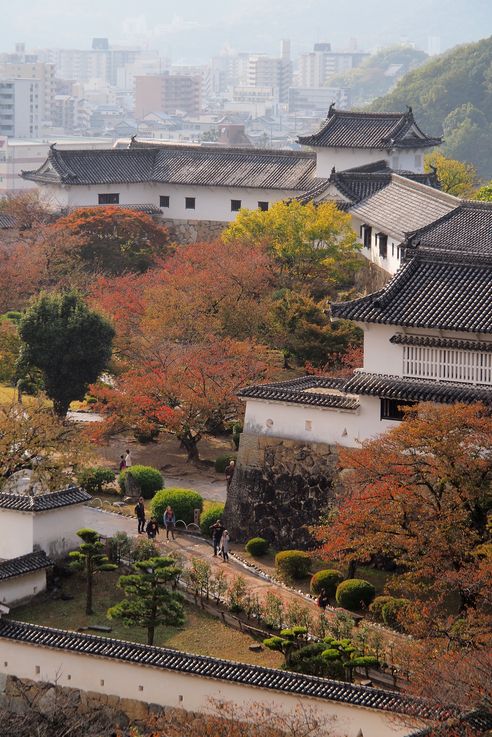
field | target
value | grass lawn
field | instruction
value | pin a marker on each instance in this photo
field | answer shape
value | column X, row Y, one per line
column 201, row 634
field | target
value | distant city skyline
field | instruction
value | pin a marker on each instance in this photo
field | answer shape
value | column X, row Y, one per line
column 194, row 31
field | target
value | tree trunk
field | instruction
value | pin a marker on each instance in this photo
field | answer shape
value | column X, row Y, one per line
column 190, row 444
column 88, row 604
column 150, row 635
column 60, row 408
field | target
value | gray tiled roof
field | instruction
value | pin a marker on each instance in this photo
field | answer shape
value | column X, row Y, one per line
column 404, row 206
column 347, row 129
column 467, row 228
column 6, row 221
column 24, row 564
column 431, row 290
column 416, row 390
column 43, row 502
column 221, row 670
column 433, row 341
column 304, row 390
column 361, row 182
column 477, row 723
column 180, row 164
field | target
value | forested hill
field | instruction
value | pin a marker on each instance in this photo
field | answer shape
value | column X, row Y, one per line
column 452, row 96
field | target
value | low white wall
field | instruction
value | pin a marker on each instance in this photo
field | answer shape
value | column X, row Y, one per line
column 167, row 688
column 54, row 531
column 316, row 424
column 16, row 530
column 19, row 589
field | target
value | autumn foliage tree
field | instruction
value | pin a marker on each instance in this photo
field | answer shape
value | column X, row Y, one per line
column 418, row 495
column 107, row 240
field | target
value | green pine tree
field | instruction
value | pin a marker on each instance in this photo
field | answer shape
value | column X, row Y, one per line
column 90, row 558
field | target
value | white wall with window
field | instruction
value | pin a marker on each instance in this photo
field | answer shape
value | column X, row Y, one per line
column 378, row 246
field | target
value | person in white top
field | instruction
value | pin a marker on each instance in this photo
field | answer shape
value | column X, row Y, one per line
column 224, row 546
column 128, row 459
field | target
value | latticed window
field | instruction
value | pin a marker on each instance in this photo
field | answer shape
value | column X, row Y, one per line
column 447, row 364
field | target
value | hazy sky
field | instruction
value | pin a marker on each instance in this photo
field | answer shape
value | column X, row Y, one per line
column 193, row 30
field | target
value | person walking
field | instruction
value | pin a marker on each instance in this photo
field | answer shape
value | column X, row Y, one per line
column 217, row 531
column 122, row 465
column 140, row 512
column 224, row 546
column 323, row 599
column 128, row 459
column 169, row 521
column 152, row 529
column 229, row 473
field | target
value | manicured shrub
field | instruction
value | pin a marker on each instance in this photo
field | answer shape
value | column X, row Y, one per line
column 222, row 461
column 377, row 605
column 209, row 516
column 257, row 546
column 327, row 580
column 149, row 479
column 183, row 501
column 355, row 594
column 95, row 478
column 392, row 610
column 293, row 563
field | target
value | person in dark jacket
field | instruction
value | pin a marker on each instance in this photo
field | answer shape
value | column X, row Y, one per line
column 152, row 529
column 140, row 512
column 217, row 530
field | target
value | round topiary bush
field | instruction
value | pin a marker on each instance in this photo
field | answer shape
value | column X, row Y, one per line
column 183, row 501
column 355, row 594
column 293, row 563
column 149, row 479
column 377, row 605
column 209, row 516
column 222, row 461
column 392, row 611
column 95, row 479
column 327, row 580
column 257, row 546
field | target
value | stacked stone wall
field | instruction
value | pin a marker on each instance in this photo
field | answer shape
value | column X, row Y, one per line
column 280, row 488
column 194, row 231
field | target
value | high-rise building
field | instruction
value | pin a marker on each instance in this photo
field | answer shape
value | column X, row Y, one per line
column 27, row 66
column 317, row 66
column 20, row 113
column 275, row 72
column 167, row 93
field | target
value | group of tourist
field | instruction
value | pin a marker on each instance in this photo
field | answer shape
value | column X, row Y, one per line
column 152, row 526
column 220, row 540
column 125, row 460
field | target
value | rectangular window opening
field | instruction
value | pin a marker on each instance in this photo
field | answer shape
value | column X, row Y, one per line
column 189, row 203
column 367, row 236
column 391, row 409
column 382, row 240
column 108, row 199
column 164, row 200
column 263, row 206
column 235, row 205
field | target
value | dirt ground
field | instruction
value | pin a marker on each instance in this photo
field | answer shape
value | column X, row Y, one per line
column 166, row 455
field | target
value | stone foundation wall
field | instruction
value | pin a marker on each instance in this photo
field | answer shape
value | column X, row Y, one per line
column 25, row 697
column 279, row 488
column 194, row 231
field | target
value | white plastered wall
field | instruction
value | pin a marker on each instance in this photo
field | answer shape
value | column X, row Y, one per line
column 316, row 424
column 193, row 693
column 54, row 531
column 19, row 589
column 16, row 533
column 348, row 158
column 211, row 203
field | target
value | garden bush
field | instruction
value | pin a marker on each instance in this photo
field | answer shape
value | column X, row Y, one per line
column 293, row 563
column 149, row 479
column 257, row 546
column 209, row 516
column 377, row 605
column 327, row 580
column 223, row 460
column 183, row 501
column 392, row 610
column 95, row 478
column 355, row 594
